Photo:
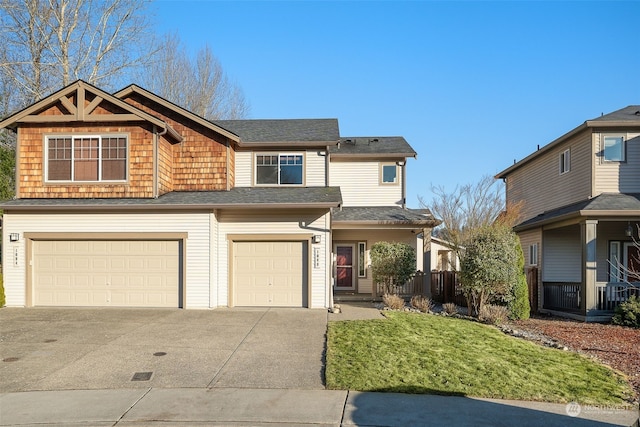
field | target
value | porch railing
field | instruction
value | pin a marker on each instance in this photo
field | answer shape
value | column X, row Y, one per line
column 445, row 287
column 562, row 296
column 611, row 295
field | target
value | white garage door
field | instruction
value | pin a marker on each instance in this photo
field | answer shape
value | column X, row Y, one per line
column 270, row 274
column 106, row 273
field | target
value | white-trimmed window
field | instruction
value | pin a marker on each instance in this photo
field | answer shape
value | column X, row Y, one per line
column 615, row 262
column 388, row 173
column 362, row 259
column 565, row 161
column 86, row 158
column 279, row 169
column 533, row 254
column 613, row 148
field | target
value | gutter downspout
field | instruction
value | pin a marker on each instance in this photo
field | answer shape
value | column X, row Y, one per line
column 403, row 165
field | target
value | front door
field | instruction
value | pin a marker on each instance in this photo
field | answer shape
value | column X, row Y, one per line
column 345, row 279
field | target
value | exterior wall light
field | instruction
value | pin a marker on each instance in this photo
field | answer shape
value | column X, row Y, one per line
column 14, row 237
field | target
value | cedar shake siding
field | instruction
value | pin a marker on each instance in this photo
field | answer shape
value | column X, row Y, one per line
column 31, row 157
column 199, row 162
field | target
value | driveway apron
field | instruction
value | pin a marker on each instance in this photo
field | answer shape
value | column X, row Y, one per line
column 74, row 349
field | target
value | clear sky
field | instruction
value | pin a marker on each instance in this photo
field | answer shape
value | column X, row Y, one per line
column 470, row 85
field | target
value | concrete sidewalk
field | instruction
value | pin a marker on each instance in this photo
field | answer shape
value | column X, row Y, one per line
column 255, row 407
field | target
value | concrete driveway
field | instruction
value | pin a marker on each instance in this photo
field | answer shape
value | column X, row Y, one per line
column 76, row 349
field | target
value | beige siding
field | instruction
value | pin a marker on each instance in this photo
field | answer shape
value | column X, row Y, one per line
column 527, row 239
column 618, row 177
column 359, row 182
column 277, row 222
column 196, row 225
column 314, row 164
column 540, row 185
column 364, row 285
column 244, row 165
column 562, row 261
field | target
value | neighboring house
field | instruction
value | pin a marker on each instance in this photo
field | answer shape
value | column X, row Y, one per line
column 126, row 199
column 581, row 211
column 442, row 256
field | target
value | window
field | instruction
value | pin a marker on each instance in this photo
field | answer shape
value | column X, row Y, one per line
column 362, row 256
column 565, row 161
column 615, row 273
column 279, row 169
column 613, row 149
column 87, row 158
column 389, row 173
column 533, row 254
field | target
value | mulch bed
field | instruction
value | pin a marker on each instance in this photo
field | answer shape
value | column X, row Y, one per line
column 616, row 346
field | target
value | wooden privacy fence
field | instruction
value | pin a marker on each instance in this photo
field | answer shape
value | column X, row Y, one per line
column 417, row 285
column 532, row 283
column 446, row 288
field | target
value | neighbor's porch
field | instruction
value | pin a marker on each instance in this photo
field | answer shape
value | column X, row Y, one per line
column 589, row 268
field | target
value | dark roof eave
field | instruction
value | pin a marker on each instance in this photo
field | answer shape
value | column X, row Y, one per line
column 583, row 213
column 143, row 207
column 375, row 155
column 287, row 144
column 424, row 223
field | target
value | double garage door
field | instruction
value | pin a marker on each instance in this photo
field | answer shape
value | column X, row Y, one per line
column 106, row 273
column 270, row 274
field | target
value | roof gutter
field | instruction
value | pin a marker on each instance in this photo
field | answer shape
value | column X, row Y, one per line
column 156, row 207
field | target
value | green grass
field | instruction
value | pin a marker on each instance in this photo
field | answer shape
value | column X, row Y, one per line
column 413, row 353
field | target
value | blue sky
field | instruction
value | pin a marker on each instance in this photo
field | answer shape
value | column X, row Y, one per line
column 470, row 85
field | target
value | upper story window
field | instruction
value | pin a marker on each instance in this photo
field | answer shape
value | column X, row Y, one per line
column 279, row 169
column 565, row 161
column 86, row 158
column 388, row 173
column 613, row 149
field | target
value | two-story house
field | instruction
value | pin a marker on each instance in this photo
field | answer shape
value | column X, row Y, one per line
column 580, row 198
column 126, row 199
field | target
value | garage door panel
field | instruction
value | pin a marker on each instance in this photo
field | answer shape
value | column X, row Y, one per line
column 270, row 273
column 106, row 273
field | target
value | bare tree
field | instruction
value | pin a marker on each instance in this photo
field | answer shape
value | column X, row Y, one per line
column 50, row 43
column 202, row 88
column 468, row 208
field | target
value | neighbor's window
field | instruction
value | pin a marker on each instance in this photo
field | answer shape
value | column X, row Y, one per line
column 533, row 254
column 362, row 265
column 279, row 169
column 389, row 173
column 565, row 161
column 87, row 158
column 613, row 149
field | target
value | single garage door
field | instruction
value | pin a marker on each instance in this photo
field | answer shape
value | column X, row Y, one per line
column 270, row 274
column 106, row 273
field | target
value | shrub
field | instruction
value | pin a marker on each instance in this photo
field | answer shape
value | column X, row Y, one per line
column 628, row 313
column 393, row 301
column 392, row 264
column 493, row 314
column 450, row 308
column 489, row 266
column 519, row 308
column 421, row 303
column 2, row 300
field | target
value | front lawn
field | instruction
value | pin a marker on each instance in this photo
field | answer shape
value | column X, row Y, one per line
column 414, row 353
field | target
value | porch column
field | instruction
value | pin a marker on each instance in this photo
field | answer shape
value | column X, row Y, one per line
column 589, row 230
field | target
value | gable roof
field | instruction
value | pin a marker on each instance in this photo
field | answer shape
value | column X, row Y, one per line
column 274, row 132
column 79, row 112
column 383, row 146
column 625, row 117
column 135, row 89
column 603, row 205
column 239, row 197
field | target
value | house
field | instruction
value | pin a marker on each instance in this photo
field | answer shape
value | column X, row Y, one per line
column 442, row 255
column 581, row 212
column 127, row 199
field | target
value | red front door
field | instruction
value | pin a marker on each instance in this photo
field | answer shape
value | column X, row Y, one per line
column 344, row 267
